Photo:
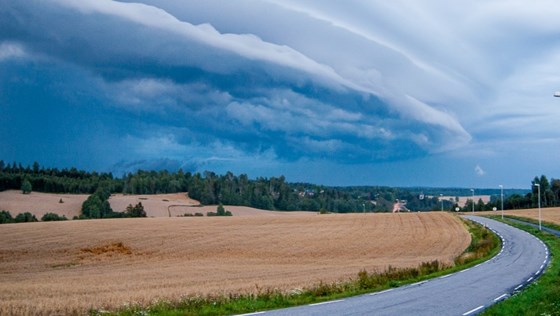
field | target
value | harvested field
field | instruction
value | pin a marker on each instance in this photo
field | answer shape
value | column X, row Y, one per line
column 549, row 214
column 464, row 199
column 39, row 204
column 69, row 267
column 156, row 205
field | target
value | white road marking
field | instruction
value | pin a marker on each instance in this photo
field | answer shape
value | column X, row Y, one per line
column 464, row 270
column 250, row 314
column 518, row 287
column 530, row 279
column 377, row 293
column 445, row 276
column 325, row 303
column 474, row 310
column 500, row 297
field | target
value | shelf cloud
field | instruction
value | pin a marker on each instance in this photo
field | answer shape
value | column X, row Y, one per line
column 278, row 84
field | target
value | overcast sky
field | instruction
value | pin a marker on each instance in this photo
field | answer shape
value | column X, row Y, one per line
column 398, row 93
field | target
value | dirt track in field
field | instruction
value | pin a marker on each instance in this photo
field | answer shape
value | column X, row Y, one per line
column 69, row 267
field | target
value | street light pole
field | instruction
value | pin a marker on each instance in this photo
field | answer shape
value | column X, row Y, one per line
column 539, row 192
column 472, row 190
column 441, row 199
column 502, row 199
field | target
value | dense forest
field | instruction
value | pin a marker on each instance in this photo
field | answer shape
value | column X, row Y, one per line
column 273, row 193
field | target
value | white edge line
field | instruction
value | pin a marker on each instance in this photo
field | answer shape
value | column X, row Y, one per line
column 250, row 314
column 530, row 279
column 500, row 297
column 324, row 303
column 377, row 293
column 518, row 287
column 445, row 276
column 473, row 310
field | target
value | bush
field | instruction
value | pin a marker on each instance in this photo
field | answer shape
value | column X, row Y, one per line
column 25, row 218
column 198, row 214
column 52, row 217
column 135, row 211
column 6, row 217
column 26, row 187
column 220, row 211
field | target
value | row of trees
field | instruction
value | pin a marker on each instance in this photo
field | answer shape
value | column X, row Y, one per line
column 6, row 217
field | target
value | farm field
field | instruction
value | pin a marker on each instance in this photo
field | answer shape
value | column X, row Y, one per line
column 549, row 214
column 157, row 205
column 69, row 267
column 41, row 203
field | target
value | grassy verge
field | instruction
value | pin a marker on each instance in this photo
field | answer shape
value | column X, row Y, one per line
column 484, row 245
column 541, row 297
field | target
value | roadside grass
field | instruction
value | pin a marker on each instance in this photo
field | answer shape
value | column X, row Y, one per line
column 484, row 245
column 542, row 297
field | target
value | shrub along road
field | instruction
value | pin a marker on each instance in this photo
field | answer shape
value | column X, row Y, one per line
column 522, row 259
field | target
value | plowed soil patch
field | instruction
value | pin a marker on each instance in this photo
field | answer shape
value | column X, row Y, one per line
column 51, row 268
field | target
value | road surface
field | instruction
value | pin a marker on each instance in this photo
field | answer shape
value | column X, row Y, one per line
column 522, row 259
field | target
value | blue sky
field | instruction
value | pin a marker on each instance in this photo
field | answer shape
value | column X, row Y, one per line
column 399, row 93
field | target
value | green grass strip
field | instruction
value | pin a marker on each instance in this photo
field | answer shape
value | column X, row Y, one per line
column 542, row 297
column 484, row 245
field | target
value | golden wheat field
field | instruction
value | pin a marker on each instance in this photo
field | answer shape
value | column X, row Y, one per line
column 549, row 214
column 69, row 267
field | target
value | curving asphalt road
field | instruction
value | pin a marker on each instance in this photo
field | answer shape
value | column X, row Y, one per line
column 522, row 259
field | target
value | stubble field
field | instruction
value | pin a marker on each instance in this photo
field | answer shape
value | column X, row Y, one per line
column 70, row 267
column 549, row 214
column 155, row 205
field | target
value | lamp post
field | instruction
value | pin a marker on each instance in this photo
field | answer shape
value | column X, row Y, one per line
column 502, row 199
column 441, row 199
column 472, row 190
column 539, row 192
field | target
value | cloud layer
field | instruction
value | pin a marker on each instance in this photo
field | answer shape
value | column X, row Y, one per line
column 271, row 84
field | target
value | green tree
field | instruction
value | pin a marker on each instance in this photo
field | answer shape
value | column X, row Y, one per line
column 26, row 187
column 25, row 217
column 6, row 217
column 51, row 217
column 220, row 210
column 135, row 211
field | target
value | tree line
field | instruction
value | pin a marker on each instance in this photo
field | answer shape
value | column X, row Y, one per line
column 273, row 193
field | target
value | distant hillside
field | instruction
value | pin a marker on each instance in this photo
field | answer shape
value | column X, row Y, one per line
column 273, row 193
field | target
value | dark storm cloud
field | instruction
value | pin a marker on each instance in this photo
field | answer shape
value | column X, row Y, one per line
column 265, row 83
